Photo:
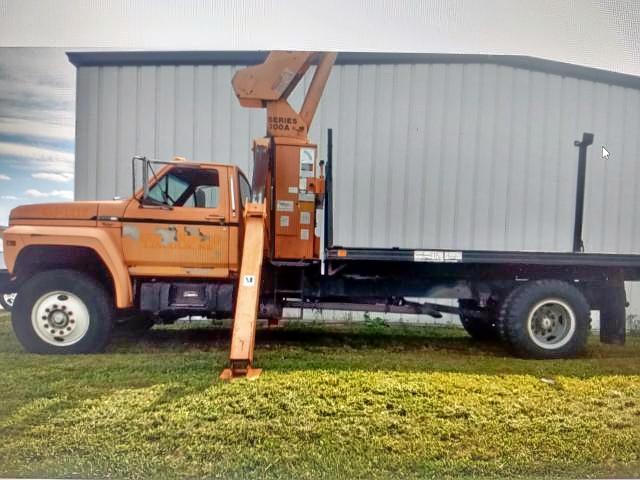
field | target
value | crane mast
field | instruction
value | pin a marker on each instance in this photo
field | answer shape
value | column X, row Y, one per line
column 280, row 220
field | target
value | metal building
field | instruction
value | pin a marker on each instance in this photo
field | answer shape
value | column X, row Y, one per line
column 431, row 150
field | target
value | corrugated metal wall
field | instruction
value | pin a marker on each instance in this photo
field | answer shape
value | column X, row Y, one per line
column 467, row 156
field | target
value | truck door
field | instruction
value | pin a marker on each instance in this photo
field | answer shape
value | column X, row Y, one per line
column 182, row 227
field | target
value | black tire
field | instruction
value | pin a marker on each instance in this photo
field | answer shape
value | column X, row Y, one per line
column 518, row 329
column 92, row 294
column 5, row 303
column 481, row 329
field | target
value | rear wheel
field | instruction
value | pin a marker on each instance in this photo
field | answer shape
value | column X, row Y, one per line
column 545, row 319
column 62, row 311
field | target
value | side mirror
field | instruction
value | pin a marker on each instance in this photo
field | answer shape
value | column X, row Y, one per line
column 135, row 161
column 145, row 179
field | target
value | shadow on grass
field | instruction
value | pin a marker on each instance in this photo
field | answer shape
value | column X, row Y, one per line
column 309, row 337
column 297, row 347
column 383, row 347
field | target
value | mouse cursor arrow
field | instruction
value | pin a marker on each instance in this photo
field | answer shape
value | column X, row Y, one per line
column 605, row 153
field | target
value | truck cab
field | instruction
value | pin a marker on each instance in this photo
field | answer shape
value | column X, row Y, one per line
column 171, row 249
column 187, row 222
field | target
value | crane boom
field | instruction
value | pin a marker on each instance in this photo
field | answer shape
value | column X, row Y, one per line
column 269, row 85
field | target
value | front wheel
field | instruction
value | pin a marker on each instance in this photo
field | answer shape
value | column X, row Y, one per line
column 62, row 312
column 545, row 319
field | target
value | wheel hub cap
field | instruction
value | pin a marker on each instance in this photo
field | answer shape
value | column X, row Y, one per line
column 60, row 318
column 551, row 324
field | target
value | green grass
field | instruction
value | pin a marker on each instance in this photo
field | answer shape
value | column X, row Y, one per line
column 367, row 402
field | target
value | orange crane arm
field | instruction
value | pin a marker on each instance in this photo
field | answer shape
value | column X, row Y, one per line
column 269, row 85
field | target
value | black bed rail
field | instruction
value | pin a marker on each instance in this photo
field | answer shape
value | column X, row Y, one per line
column 587, row 139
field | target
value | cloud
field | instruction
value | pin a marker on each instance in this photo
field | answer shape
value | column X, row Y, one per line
column 64, row 194
column 36, row 78
column 56, row 128
column 37, row 124
column 32, row 192
column 53, row 177
column 37, row 114
column 28, row 166
column 44, row 156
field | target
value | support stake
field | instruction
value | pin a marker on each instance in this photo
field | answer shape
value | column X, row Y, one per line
column 587, row 139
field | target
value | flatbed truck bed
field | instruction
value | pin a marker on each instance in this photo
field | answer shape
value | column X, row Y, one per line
column 493, row 257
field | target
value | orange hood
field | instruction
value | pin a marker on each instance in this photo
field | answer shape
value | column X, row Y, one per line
column 67, row 211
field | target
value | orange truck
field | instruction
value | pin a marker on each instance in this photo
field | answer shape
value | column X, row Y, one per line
column 200, row 239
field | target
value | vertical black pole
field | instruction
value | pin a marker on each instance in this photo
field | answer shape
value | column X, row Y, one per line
column 587, row 139
column 328, row 197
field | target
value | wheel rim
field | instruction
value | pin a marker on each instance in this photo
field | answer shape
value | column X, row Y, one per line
column 551, row 324
column 60, row 318
column 9, row 298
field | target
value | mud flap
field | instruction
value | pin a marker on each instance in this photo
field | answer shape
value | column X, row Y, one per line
column 613, row 301
column 5, row 282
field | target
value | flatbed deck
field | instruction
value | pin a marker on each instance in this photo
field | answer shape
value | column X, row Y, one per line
column 440, row 256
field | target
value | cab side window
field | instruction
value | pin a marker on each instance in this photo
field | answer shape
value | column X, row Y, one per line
column 168, row 189
column 206, row 196
column 187, row 187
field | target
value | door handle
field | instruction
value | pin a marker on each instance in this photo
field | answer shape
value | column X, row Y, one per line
column 215, row 218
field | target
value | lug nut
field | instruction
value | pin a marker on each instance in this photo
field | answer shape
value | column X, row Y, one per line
column 46, row 325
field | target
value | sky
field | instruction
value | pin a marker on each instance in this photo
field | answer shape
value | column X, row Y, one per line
column 37, row 115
